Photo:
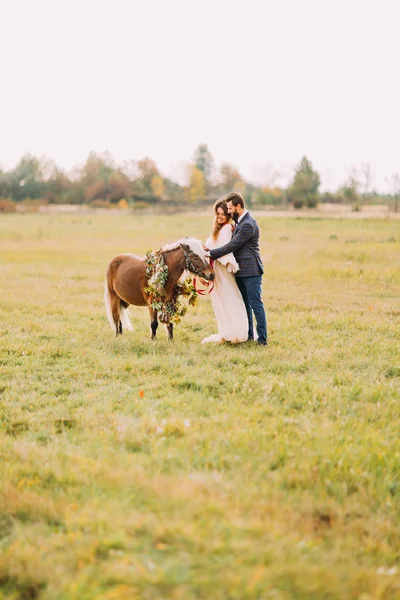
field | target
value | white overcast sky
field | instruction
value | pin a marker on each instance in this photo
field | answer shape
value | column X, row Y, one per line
column 262, row 82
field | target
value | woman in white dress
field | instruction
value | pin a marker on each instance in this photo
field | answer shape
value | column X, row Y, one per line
column 226, row 298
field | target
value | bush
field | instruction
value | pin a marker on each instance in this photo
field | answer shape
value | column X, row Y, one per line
column 329, row 198
column 140, row 204
column 270, row 196
column 123, row 204
column 33, row 205
column 7, row 206
column 99, row 203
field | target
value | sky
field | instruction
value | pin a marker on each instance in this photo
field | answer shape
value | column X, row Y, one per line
column 262, row 82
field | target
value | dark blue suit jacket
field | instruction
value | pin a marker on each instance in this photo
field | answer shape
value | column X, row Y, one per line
column 245, row 247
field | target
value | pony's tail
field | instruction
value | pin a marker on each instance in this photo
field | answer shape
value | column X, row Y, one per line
column 116, row 309
column 107, row 304
column 125, row 318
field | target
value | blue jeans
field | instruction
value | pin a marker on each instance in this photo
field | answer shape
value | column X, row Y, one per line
column 250, row 288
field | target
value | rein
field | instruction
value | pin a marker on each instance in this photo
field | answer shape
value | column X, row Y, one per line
column 209, row 285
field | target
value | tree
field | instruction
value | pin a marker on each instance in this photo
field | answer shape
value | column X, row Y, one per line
column 270, row 195
column 203, row 160
column 27, row 179
column 147, row 171
column 157, row 186
column 5, row 184
column 394, row 183
column 130, row 168
column 138, row 189
column 172, row 190
column 197, row 183
column 147, row 168
column 95, row 168
column 118, row 186
column 304, row 188
column 367, row 179
column 58, row 187
column 240, row 187
column 101, row 180
column 230, row 176
column 350, row 190
column 95, row 176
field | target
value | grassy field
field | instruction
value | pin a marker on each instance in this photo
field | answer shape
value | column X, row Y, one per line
column 139, row 470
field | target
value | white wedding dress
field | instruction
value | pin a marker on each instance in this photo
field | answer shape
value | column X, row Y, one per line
column 226, row 298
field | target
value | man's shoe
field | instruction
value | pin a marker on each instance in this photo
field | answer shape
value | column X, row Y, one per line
column 262, row 343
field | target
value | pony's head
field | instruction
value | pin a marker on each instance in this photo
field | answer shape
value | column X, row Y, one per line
column 196, row 261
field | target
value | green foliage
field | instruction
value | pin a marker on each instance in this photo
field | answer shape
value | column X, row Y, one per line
column 101, row 180
column 150, row 181
column 5, row 184
column 26, row 179
column 197, row 184
column 58, row 187
column 332, row 198
column 350, row 192
column 171, row 311
column 157, row 186
column 272, row 196
column 230, row 177
column 304, row 188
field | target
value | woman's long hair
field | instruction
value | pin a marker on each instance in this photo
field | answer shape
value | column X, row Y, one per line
column 218, row 226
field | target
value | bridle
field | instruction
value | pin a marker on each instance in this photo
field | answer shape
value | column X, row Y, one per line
column 193, row 269
column 189, row 266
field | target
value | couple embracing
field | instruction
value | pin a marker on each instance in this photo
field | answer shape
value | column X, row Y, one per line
column 234, row 246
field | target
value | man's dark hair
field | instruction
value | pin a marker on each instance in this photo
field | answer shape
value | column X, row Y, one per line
column 235, row 198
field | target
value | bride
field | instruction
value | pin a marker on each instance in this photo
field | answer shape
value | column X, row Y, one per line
column 226, row 298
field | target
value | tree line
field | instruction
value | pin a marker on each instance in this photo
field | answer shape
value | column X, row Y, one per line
column 102, row 183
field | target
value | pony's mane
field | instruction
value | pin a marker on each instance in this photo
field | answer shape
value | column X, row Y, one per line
column 194, row 244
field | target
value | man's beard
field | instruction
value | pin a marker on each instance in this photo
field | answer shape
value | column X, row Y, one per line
column 235, row 216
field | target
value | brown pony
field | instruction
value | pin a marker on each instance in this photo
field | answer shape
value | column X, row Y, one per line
column 126, row 280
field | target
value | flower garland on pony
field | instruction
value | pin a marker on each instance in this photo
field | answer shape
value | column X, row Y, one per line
column 157, row 272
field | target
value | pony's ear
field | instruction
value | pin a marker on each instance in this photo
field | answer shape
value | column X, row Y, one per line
column 185, row 247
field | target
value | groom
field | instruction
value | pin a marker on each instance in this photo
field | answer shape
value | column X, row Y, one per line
column 245, row 247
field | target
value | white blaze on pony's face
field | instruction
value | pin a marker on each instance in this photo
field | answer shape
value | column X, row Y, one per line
column 197, row 247
column 197, row 261
column 195, row 256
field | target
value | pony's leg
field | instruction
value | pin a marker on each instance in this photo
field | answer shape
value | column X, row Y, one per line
column 153, row 322
column 115, row 305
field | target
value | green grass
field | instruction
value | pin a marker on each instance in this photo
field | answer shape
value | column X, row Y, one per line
column 132, row 469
